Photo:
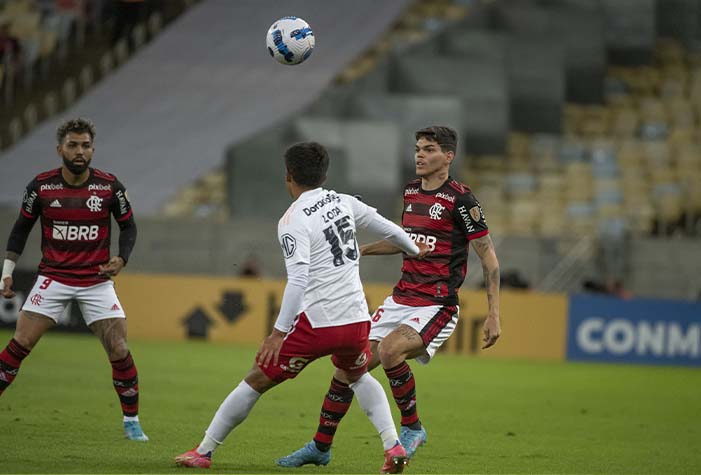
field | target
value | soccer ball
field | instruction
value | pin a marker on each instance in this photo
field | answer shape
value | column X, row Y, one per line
column 290, row 40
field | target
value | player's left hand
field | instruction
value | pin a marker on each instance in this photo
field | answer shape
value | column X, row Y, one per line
column 6, row 288
column 424, row 250
column 491, row 331
column 270, row 348
column 113, row 266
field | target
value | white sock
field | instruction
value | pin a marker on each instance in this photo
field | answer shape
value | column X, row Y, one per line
column 231, row 413
column 373, row 400
column 131, row 418
column 207, row 445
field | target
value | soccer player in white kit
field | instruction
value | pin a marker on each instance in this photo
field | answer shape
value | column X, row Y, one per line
column 323, row 310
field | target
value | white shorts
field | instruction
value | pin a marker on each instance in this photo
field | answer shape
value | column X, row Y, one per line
column 51, row 298
column 434, row 323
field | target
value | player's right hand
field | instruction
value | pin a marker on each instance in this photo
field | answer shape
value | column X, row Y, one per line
column 7, row 291
column 424, row 250
column 270, row 348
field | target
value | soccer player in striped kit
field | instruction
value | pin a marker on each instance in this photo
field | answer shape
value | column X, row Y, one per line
column 422, row 311
column 75, row 204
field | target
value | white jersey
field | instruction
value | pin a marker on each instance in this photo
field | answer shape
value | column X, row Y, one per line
column 319, row 229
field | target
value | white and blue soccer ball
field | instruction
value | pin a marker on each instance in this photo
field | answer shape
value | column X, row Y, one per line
column 290, row 40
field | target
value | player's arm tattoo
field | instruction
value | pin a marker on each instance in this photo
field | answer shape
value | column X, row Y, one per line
column 484, row 247
column 13, row 256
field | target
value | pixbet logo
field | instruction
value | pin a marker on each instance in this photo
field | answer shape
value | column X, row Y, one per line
column 75, row 233
column 446, row 197
column 51, row 186
column 99, row 187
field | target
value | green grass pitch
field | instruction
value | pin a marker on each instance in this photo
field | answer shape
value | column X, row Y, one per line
column 483, row 416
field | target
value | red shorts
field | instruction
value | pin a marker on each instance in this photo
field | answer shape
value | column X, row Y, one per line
column 348, row 346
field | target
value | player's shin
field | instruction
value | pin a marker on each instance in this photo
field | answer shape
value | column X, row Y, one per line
column 126, row 383
column 373, row 400
column 335, row 406
column 401, row 380
column 231, row 413
column 10, row 360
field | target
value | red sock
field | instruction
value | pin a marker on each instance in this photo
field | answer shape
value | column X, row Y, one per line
column 401, row 380
column 336, row 404
column 126, row 383
column 10, row 360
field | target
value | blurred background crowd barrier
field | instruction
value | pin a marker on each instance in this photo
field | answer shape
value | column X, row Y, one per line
column 578, row 120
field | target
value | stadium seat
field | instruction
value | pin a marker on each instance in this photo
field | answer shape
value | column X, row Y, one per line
column 106, row 63
column 138, row 36
column 50, row 104
column 69, row 92
column 154, row 24
column 86, row 78
column 30, row 116
column 15, row 130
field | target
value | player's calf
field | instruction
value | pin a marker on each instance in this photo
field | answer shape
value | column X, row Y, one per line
column 10, row 360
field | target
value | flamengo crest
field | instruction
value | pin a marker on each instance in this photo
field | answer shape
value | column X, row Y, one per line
column 94, row 203
column 436, row 210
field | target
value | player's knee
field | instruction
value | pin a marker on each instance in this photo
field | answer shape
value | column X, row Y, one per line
column 257, row 380
column 117, row 349
column 390, row 353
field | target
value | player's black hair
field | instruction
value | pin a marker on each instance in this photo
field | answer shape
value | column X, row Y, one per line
column 78, row 126
column 446, row 137
column 307, row 163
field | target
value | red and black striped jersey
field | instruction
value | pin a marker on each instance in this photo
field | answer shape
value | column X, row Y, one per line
column 445, row 219
column 75, row 223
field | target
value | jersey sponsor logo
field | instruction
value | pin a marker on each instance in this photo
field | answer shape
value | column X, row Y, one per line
column 476, row 213
column 296, row 365
column 51, row 186
column 99, row 187
column 430, row 241
column 55, row 204
column 466, row 218
column 360, row 361
column 123, row 200
column 436, row 210
column 446, row 197
column 289, row 245
column 94, row 203
column 408, row 209
column 411, row 191
column 29, row 201
column 65, row 232
column 329, row 198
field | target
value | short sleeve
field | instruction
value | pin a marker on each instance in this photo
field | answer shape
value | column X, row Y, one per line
column 294, row 241
column 470, row 217
column 121, row 207
column 31, row 206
